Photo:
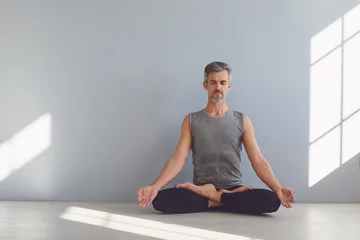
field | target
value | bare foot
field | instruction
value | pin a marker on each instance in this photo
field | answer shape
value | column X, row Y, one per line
column 212, row 204
column 203, row 190
column 239, row 189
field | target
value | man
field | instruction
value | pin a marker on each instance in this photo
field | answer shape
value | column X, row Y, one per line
column 216, row 135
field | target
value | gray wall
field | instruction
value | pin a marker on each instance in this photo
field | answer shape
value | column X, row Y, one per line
column 118, row 77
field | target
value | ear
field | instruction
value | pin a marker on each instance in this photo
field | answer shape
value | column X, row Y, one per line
column 205, row 85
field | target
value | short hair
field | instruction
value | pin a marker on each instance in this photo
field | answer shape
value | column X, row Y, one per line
column 216, row 67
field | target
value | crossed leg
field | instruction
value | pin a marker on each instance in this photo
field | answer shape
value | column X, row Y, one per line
column 188, row 198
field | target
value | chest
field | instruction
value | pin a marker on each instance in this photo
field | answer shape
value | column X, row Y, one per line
column 217, row 132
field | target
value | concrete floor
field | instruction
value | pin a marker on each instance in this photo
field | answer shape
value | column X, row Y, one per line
column 72, row 220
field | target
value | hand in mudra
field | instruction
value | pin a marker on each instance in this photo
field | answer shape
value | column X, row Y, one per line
column 146, row 195
column 286, row 196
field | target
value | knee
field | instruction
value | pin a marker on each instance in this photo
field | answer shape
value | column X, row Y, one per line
column 269, row 201
column 273, row 203
column 164, row 201
column 158, row 202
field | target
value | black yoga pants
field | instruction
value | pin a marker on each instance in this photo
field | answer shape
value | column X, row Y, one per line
column 180, row 200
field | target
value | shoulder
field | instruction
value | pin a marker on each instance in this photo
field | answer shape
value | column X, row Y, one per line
column 248, row 126
column 195, row 115
column 238, row 114
column 193, row 118
column 243, row 119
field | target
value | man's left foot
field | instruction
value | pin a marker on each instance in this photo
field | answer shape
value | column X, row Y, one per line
column 204, row 190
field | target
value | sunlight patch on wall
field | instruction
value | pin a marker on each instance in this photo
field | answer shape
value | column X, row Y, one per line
column 324, row 156
column 352, row 22
column 325, row 41
column 25, row 145
column 325, row 95
column 334, row 131
column 351, row 137
column 352, row 76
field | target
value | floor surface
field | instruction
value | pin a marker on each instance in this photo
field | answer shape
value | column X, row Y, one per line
column 73, row 220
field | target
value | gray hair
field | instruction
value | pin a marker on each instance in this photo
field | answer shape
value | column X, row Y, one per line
column 217, row 67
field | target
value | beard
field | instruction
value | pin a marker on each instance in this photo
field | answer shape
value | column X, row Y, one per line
column 216, row 99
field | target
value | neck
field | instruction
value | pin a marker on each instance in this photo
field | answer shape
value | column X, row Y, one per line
column 216, row 109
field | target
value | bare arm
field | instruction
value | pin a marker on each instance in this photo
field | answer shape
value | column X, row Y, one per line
column 258, row 161
column 175, row 164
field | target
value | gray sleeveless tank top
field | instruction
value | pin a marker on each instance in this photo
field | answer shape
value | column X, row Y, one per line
column 216, row 148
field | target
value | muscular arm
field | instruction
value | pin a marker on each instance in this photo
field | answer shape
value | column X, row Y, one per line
column 175, row 164
column 258, row 161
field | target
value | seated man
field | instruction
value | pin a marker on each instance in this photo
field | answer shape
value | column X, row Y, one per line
column 215, row 135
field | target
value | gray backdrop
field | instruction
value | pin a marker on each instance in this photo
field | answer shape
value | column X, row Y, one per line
column 118, row 77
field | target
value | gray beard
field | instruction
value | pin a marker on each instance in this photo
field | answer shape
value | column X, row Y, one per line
column 216, row 100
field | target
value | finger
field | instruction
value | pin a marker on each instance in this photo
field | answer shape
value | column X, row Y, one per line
column 288, row 204
column 151, row 199
column 141, row 196
column 148, row 202
column 143, row 203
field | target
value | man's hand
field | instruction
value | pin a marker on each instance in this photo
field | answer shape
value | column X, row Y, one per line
column 286, row 196
column 146, row 195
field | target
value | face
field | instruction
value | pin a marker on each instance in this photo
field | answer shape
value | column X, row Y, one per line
column 217, row 85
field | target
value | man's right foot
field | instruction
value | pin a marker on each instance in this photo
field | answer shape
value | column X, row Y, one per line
column 239, row 189
column 203, row 190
